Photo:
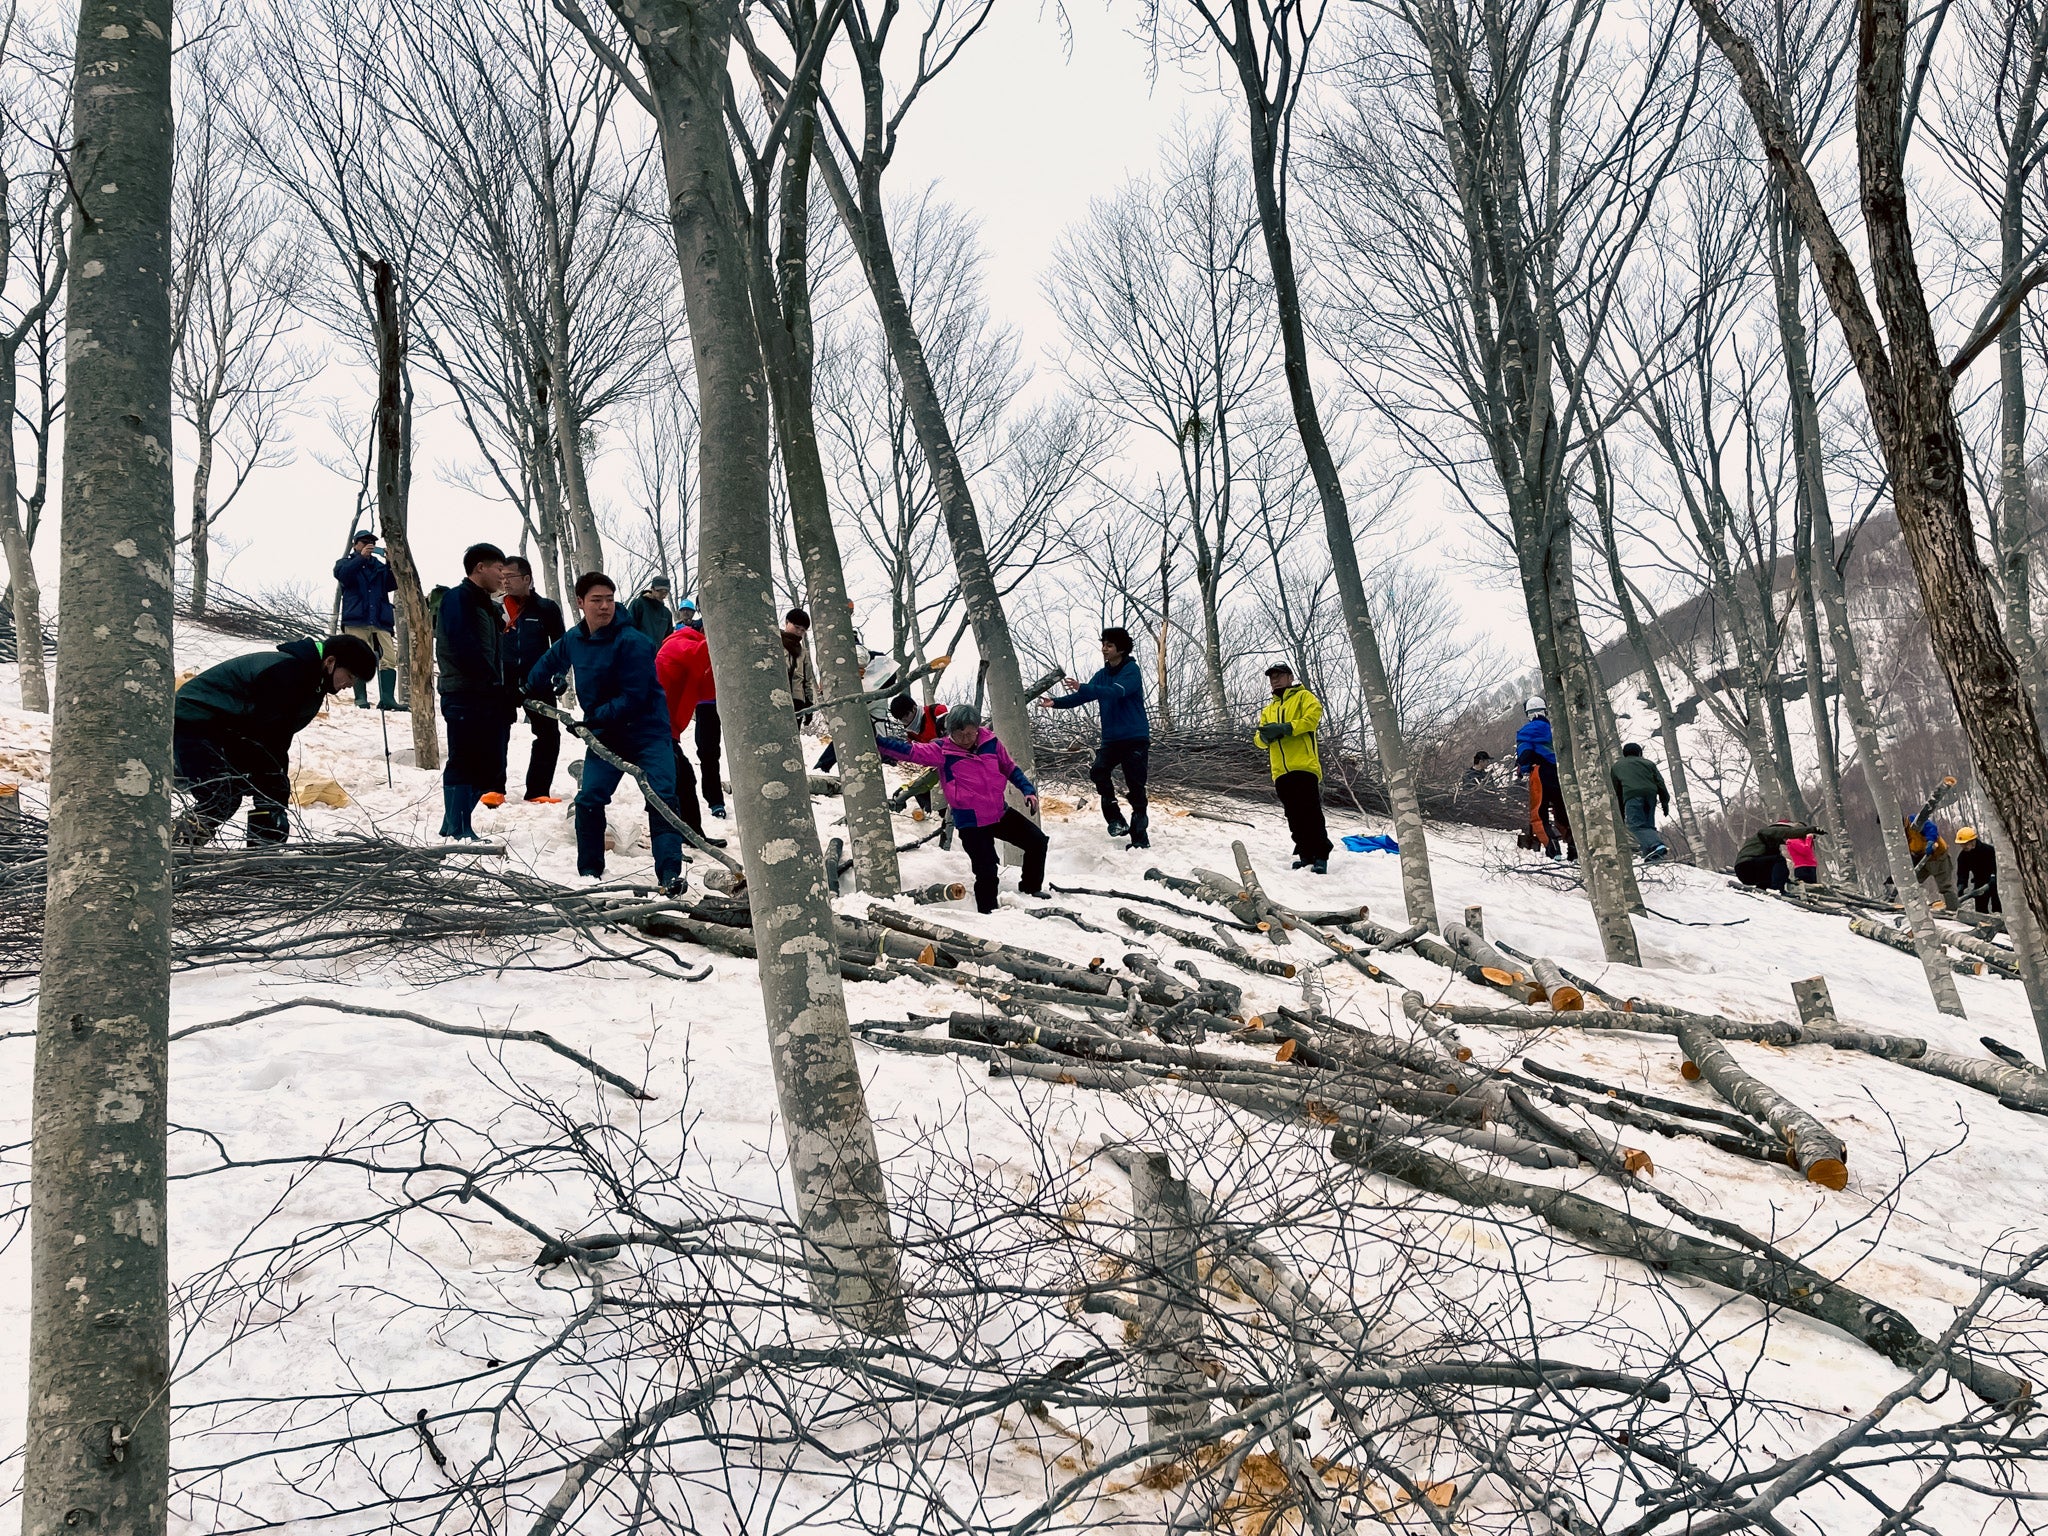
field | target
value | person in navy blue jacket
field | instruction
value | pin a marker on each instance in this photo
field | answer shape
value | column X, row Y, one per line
column 623, row 705
column 1536, row 762
column 1119, row 689
column 366, row 586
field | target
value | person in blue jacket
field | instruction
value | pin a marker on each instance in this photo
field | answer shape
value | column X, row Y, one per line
column 624, row 707
column 1536, row 763
column 366, row 586
column 1119, row 689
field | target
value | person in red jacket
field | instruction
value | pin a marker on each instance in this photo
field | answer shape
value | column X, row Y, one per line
column 683, row 668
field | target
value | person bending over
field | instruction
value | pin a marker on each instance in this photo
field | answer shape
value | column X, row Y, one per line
column 1761, row 861
column 233, row 727
column 975, row 770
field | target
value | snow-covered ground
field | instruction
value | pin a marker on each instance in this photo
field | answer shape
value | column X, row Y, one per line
column 1935, row 1171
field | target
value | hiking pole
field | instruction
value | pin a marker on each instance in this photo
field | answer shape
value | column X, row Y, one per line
column 638, row 775
column 384, row 719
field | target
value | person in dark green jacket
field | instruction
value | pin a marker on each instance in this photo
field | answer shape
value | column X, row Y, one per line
column 233, row 729
column 1639, row 787
column 1761, row 861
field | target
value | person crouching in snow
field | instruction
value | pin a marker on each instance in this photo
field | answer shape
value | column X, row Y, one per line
column 974, row 771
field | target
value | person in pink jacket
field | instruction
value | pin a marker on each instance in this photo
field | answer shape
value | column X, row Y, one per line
column 1804, row 861
column 975, row 771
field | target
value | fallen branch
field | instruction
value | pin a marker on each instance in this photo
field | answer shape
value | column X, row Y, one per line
column 469, row 1031
column 1820, row 1154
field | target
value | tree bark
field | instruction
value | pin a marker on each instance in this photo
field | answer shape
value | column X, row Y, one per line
column 99, row 1364
column 836, row 1172
column 393, row 427
column 860, row 210
column 1909, row 390
column 782, row 307
column 202, row 535
column 25, row 589
column 1403, row 801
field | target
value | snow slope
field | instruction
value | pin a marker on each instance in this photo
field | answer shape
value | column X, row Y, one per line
column 1934, row 1170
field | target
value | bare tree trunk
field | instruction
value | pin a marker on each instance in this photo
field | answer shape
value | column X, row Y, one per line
column 866, row 225
column 782, row 306
column 25, row 591
column 202, row 533
column 1419, row 892
column 1909, row 389
column 98, row 1433
column 841, row 1199
column 393, row 426
column 1639, row 642
column 2014, row 523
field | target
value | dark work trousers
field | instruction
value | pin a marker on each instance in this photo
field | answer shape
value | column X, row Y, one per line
column 479, row 735
column 686, row 792
column 1766, row 874
column 601, row 780
column 220, row 772
column 1807, row 874
column 1135, row 759
column 708, row 738
column 980, row 842
column 1301, row 796
column 540, row 763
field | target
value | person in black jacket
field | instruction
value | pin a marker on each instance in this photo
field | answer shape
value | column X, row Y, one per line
column 366, row 586
column 532, row 624
column 1977, row 870
column 479, row 695
column 1761, row 861
column 650, row 613
column 234, row 725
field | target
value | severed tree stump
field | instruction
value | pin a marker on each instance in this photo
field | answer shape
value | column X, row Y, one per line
column 1819, row 1153
column 1169, row 1322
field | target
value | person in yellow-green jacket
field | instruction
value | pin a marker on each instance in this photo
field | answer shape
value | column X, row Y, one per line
column 1287, row 730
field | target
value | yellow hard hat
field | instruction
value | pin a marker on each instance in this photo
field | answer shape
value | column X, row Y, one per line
column 1966, row 834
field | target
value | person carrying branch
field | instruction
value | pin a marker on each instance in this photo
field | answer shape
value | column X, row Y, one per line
column 233, row 729
column 1760, row 862
column 1118, row 687
column 1287, row 730
column 366, row 586
column 624, row 708
column 975, row 772
column 1934, row 863
column 1536, row 763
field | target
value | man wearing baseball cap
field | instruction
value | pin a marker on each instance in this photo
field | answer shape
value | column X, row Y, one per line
column 1287, row 730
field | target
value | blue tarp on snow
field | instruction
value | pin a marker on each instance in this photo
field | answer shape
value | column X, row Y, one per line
column 1361, row 842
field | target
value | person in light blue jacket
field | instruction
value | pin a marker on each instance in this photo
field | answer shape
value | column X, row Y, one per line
column 1119, row 690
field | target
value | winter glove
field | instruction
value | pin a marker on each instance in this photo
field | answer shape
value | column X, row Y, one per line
column 1273, row 730
column 1663, row 807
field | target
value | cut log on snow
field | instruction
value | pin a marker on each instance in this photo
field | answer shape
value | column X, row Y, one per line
column 1235, row 955
column 1996, row 957
column 1758, row 1146
column 1903, row 942
column 1561, row 994
column 1589, row 994
column 1246, row 908
column 1709, row 1113
column 1821, row 1155
column 930, row 895
column 1764, row 1032
column 1026, row 964
column 1500, row 970
column 1793, row 1287
column 1436, row 952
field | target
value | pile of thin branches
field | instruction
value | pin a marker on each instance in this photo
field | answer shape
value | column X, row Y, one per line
column 430, row 911
column 282, row 613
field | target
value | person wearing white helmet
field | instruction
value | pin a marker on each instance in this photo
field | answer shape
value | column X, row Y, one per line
column 1536, row 763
